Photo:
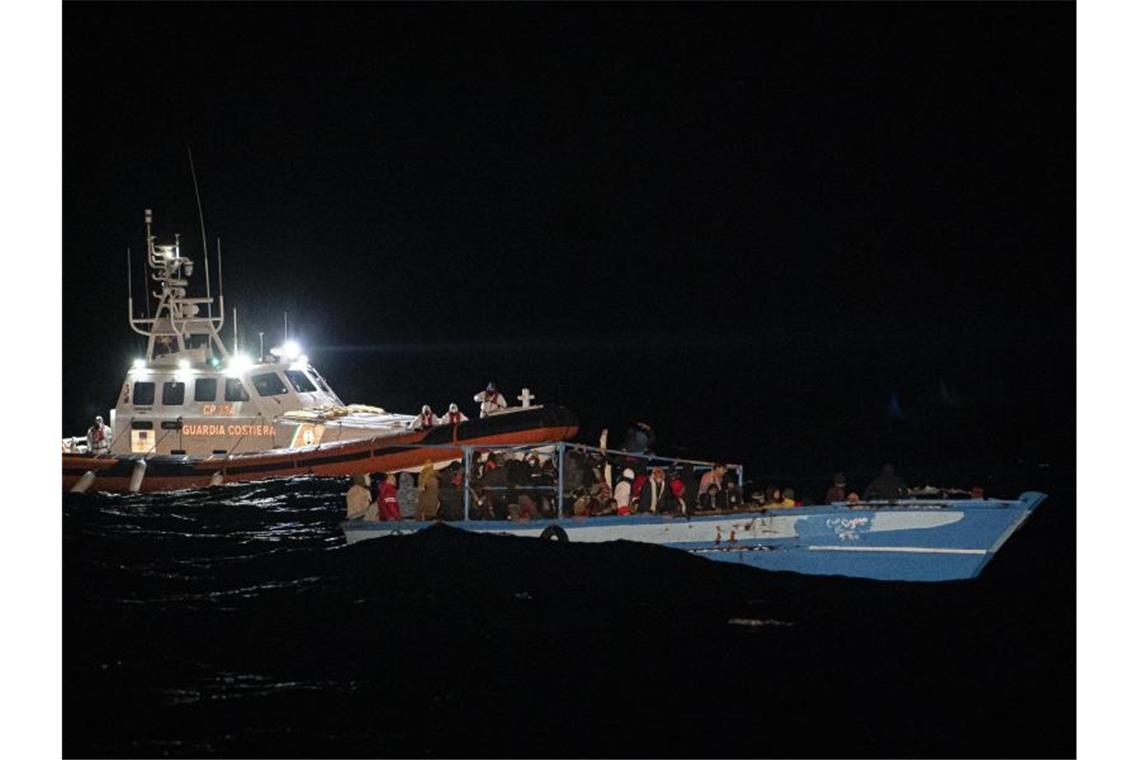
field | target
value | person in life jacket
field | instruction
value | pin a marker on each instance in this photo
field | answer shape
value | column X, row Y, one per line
column 490, row 401
column 623, row 491
column 427, row 419
column 677, row 488
column 389, row 506
column 454, row 416
column 98, row 437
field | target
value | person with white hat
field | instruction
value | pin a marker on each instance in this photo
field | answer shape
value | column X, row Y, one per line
column 454, row 416
column 490, row 401
column 426, row 419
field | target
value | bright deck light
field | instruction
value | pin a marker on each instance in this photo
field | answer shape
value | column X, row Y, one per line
column 291, row 349
column 183, row 364
column 238, row 364
column 139, row 364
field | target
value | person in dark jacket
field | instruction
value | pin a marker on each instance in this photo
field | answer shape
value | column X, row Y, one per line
column 731, row 495
column 451, row 492
column 678, row 503
column 576, row 469
column 651, row 497
column 710, row 499
column 838, row 490
column 494, row 483
column 639, row 439
column 886, row 486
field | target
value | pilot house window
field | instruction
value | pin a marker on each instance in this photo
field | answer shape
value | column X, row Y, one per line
column 269, row 384
column 206, row 389
column 144, row 394
column 235, row 391
column 173, row 393
column 299, row 381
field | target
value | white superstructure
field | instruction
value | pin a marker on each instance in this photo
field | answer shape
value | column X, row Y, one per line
column 191, row 395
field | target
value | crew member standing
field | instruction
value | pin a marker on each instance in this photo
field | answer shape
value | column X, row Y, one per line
column 98, row 437
column 490, row 401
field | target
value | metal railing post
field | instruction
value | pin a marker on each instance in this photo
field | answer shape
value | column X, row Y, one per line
column 561, row 475
column 466, row 483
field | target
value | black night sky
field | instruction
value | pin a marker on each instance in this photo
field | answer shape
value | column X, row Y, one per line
column 804, row 236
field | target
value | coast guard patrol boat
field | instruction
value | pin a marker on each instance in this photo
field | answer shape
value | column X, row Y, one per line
column 191, row 413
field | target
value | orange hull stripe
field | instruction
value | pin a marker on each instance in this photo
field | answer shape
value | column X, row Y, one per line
column 399, row 460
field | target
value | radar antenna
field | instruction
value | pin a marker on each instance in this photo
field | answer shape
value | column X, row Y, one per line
column 177, row 332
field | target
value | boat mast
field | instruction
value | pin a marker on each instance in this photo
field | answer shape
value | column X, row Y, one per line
column 176, row 318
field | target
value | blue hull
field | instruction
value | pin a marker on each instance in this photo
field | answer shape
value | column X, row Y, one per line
column 909, row 541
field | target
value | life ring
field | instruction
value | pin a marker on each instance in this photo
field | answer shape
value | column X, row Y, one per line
column 554, row 533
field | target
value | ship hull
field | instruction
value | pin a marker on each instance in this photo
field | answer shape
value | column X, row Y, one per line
column 913, row 541
column 378, row 454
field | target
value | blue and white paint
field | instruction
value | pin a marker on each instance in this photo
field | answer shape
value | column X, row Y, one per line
column 903, row 540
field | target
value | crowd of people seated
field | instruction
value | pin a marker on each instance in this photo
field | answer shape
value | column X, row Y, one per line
column 522, row 485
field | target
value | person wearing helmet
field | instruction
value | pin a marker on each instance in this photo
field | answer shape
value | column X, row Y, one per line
column 454, row 416
column 490, row 401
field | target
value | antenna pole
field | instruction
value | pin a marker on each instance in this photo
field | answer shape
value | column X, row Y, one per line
column 146, row 261
column 130, row 291
column 235, row 331
column 286, row 325
column 202, row 225
column 220, row 291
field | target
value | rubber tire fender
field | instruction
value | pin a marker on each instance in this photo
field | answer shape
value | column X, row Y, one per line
column 554, row 533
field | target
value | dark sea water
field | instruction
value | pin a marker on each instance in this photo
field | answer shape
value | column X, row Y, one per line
column 236, row 622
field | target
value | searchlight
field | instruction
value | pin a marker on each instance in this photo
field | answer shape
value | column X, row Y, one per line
column 238, row 364
column 290, row 350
